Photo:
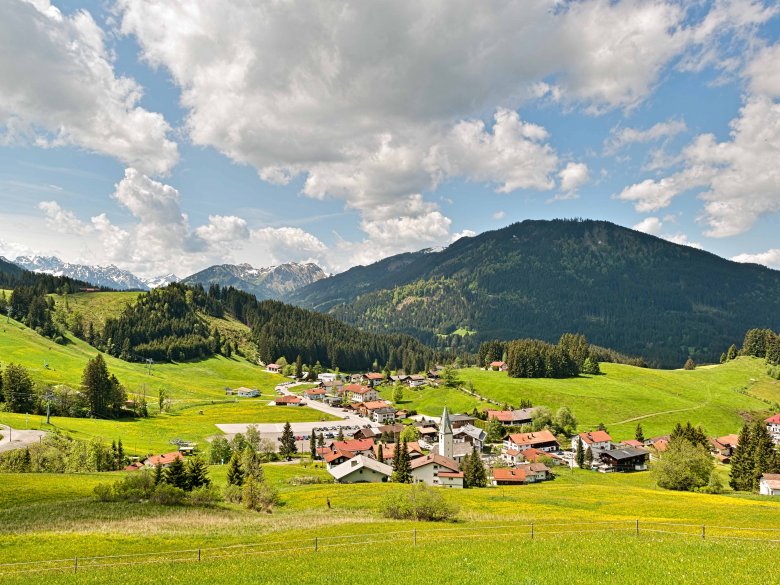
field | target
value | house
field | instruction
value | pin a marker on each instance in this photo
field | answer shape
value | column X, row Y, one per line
column 373, row 378
column 537, row 456
column 326, row 377
column 416, row 380
column 592, row 440
column 379, row 411
column 356, row 446
column 288, row 401
column 388, row 451
column 331, row 400
column 657, row 446
column 436, row 470
column 542, row 440
column 512, row 418
column 337, row 457
column 361, row 469
column 623, row 459
column 273, row 368
column 315, row 394
column 520, row 474
column 723, row 447
column 400, row 378
column 773, row 426
column 769, row 484
column 360, row 393
column 165, row 459
column 633, row 443
column 469, row 434
column 461, row 420
column 248, row 392
column 499, row 366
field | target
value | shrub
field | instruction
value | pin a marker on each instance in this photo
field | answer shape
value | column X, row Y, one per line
column 232, row 493
column 419, row 502
column 308, row 480
column 206, row 495
column 167, row 495
column 135, row 487
column 683, row 466
column 259, row 496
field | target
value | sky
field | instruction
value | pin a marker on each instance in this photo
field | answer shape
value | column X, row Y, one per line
column 164, row 136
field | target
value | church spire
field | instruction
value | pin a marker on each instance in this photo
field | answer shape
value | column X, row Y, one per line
column 445, row 434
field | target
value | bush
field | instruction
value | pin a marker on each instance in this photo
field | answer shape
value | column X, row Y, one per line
column 232, row 493
column 258, row 495
column 135, row 487
column 419, row 502
column 683, row 466
column 207, row 495
column 167, row 495
column 308, row 480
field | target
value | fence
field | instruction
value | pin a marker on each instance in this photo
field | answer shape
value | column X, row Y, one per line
column 410, row 537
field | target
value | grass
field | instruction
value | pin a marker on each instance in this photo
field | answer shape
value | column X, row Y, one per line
column 720, row 398
column 75, row 524
column 97, row 307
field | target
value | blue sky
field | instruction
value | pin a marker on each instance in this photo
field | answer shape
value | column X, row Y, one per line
column 167, row 136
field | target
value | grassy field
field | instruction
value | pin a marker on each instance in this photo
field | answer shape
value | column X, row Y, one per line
column 574, row 501
column 718, row 397
column 97, row 307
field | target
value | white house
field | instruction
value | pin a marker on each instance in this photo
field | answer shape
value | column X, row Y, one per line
column 769, row 484
column 327, row 377
column 248, row 392
column 437, row 470
column 273, row 368
column 542, row 440
column 773, row 426
column 315, row 394
column 593, row 440
column 360, row 393
column 361, row 469
column 470, row 434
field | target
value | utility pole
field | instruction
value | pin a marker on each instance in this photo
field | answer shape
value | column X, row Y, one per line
column 49, row 395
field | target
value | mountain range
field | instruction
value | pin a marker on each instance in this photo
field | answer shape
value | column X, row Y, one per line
column 273, row 282
column 623, row 289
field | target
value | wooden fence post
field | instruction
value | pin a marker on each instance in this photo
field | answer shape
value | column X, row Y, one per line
column 198, row 554
column 415, row 537
column 532, row 530
column 702, row 531
column 637, row 526
column 316, row 544
column 75, row 564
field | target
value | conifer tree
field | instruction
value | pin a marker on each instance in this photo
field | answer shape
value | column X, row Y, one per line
column 159, row 475
column 120, row 452
column 723, row 358
column 176, row 475
column 340, row 435
column 380, row 456
column 321, row 440
column 252, row 465
column 313, row 446
column 114, row 456
column 639, row 434
column 196, row 473
column 396, row 457
column 580, row 455
column 763, row 452
column 588, row 458
column 235, row 473
column 732, row 352
column 288, row 448
column 478, row 471
column 742, row 461
column 299, row 367
column 465, row 468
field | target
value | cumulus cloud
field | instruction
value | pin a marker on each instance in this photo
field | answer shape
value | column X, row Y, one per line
column 499, row 215
column 60, row 88
column 223, row 228
column 649, row 225
column 739, row 178
column 654, row 226
column 622, row 137
column 62, row 220
column 770, row 258
column 287, row 244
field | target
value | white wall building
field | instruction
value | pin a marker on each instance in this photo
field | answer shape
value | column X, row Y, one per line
column 769, row 484
column 361, row 469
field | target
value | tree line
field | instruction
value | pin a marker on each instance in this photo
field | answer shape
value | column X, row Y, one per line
column 534, row 358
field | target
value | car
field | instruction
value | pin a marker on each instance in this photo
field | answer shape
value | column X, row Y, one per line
column 329, row 436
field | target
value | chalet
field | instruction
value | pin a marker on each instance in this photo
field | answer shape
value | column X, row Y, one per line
column 332, row 400
column 400, row 378
column 469, row 434
column 337, row 457
column 273, row 368
column 248, row 392
column 356, row 446
column 542, row 440
column 373, row 379
column 537, row 456
column 315, row 394
column 165, row 459
column 461, row 420
column 499, row 366
column 657, row 446
column 723, row 447
column 388, row 451
column 623, row 459
column 512, row 418
column 435, row 374
column 520, row 474
column 326, row 377
column 437, row 470
column 773, row 426
column 361, row 469
column 593, row 440
column 360, row 393
column 416, row 380
column 633, row 443
column 288, row 401
column 378, row 411
column 428, row 434
column 769, row 484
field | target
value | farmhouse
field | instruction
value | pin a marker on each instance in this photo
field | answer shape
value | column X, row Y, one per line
column 357, row 446
column 512, row 418
column 769, row 484
column 337, row 457
column 326, row 377
column 592, row 440
column 360, row 393
column 388, row 451
column 624, row 459
column 437, row 470
column 520, row 474
column 499, row 366
column 471, row 435
column 373, row 378
column 315, row 394
column 165, row 459
column 288, row 401
column 541, row 440
column 461, row 420
column 378, row 411
column 416, row 380
column 723, row 447
column 273, row 368
column 248, row 392
column 361, row 469
column 773, row 426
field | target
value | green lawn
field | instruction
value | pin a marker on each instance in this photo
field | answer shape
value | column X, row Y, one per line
column 97, row 307
column 718, row 397
column 53, row 517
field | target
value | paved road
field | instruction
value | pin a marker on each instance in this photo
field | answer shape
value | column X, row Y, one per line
column 16, row 439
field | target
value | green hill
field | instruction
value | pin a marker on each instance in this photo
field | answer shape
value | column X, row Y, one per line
column 625, row 290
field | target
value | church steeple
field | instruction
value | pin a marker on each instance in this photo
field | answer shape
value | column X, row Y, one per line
column 445, row 434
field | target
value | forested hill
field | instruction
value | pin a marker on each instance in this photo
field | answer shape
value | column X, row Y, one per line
column 12, row 276
column 623, row 289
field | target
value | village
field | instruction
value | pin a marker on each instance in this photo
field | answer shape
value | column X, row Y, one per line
column 373, row 438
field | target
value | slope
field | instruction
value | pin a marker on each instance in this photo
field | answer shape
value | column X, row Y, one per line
column 623, row 289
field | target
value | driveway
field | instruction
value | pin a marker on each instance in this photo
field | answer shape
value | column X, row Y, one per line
column 18, row 439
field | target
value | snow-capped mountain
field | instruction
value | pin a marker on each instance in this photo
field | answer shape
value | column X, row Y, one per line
column 272, row 282
column 110, row 276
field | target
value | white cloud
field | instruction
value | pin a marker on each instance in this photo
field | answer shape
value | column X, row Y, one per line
column 223, row 228
column 622, row 137
column 649, row 225
column 62, row 220
column 286, row 244
column 683, row 240
column 654, row 226
column 499, row 215
column 573, row 176
column 770, row 258
column 60, row 88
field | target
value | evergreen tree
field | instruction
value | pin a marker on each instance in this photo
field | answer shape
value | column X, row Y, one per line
column 639, row 434
column 602, row 427
column 380, row 455
column 689, row 364
column 313, row 446
column 588, row 458
column 18, row 388
column 404, row 474
column 732, row 352
column 465, row 468
column 340, row 435
column 196, row 473
column 159, row 475
column 591, row 367
column 176, row 475
column 478, row 471
column 120, row 453
column 580, row 455
column 114, row 456
column 742, row 461
column 763, row 452
column 235, row 473
column 105, row 396
column 299, row 367
column 321, row 440
column 396, row 458
column 723, row 358
column 252, row 464
column 288, row 448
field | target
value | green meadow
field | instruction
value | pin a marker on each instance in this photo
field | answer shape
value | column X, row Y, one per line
column 56, row 518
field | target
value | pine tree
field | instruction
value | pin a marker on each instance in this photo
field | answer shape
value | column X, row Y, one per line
column 120, row 452
column 580, row 455
column 196, row 473
column 405, row 464
column 478, row 471
column 732, row 352
column 588, row 458
column 396, row 458
column 742, row 461
column 466, row 469
column 159, row 475
column 252, row 464
column 96, row 386
column 299, row 367
column 176, row 475
column 235, row 473
column 763, row 453
column 114, row 456
column 602, row 427
column 639, row 435
column 723, row 358
column 340, row 435
column 380, row 455
column 313, row 446
column 288, row 448
column 321, row 440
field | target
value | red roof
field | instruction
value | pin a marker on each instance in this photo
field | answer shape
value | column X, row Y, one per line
column 497, row 364
column 451, row 474
column 633, row 443
column 375, row 376
column 287, row 399
column 508, row 474
column 354, row 445
column 534, row 454
column 315, row 391
column 661, row 445
column 595, row 437
column 357, row 388
column 775, row 420
column 502, row 415
column 337, row 453
column 729, row 440
column 376, row 404
column 389, row 450
column 164, row 459
column 535, row 438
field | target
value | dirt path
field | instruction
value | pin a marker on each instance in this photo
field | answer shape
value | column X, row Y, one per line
column 652, row 414
column 17, row 439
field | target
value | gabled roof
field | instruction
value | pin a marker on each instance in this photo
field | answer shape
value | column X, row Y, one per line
column 388, row 450
column 471, row 431
column 512, row 415
column 337, row 453
column 358, row 462
column 431, row 458
column 377, row 404
column 534, row 454
column 497, row 364
column 632, row 443
column 625, row 453
column 287, row 399
column 451, row 474
column 772, row 480
column 534, row 438
column 595, row 437
column 354, row 445
column 375, row 376
column 515, row 475
column 315, row 391
column 164, row 459
column 358, row 389
column 775, row 420
column 729, row 440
